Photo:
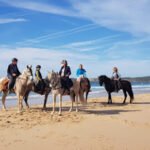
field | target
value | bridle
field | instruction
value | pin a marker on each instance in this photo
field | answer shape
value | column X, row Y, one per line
column 55, row 83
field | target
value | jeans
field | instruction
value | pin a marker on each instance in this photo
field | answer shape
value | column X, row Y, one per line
column 12, row 81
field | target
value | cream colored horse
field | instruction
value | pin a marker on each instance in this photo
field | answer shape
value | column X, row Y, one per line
column 57, row 90
column 20, row 87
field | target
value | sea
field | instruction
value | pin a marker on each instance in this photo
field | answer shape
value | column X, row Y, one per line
column 96, row 91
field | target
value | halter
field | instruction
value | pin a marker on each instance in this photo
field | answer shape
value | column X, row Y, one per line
column 55, row 82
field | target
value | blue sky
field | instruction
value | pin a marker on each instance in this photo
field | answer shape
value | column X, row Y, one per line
column 99, row 34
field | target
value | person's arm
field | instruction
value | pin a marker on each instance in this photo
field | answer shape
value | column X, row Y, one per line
column 112, row 77
column 69, row 72
column 119, row 76
column 40, row 75
column 77, row 73
column 18, row 72
column 8, row 70
column 60, row 71
column 84, row 73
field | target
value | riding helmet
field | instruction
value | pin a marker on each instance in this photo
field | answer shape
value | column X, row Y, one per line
column 14, row 59
column 38, row 66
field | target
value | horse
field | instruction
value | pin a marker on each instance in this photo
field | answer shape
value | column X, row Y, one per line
column 32, row 88
column 58, row 90
column 110, row 87
column 20, row 87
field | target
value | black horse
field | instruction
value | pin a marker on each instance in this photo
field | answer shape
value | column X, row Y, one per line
column 109, row 85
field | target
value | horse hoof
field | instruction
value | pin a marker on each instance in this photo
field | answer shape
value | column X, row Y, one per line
column 70, row 110
column 43, row 109
column 4, row 109
column 59, row 114
column 19, row 112
column 131, row 101
column 77, row 110
column 52, row 113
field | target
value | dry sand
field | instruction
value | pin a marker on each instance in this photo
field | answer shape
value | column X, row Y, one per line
column 97, row 126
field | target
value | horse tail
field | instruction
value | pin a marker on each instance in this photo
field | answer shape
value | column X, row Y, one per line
column 88, row 88
column 130, row 92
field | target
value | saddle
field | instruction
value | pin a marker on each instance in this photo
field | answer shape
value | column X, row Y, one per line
column 66, row 83
column 4, row 84
column 40, row 86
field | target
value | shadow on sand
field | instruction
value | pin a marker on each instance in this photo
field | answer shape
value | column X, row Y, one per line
column 87, row 110
column 107, row 112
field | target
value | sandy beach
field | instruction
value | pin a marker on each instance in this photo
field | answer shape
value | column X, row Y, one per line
column 97, row 126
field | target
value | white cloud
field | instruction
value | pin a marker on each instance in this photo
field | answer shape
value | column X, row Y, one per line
column 122, row 15
column 59, row 34
column 40, row 7
column 11, row 20
column 50, row 59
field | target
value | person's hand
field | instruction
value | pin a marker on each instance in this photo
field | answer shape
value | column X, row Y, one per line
column 14, row 75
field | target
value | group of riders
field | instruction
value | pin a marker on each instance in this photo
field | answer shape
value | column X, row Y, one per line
column 65, row 72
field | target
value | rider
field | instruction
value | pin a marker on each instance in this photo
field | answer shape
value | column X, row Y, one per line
column 81, row 72
column 65, row 72
column 12, row 73
column 116, row 77
column 39, row 80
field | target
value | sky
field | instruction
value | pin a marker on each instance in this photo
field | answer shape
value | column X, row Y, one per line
column 99, row 34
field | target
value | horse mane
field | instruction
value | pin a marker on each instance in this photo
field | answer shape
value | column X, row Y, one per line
column 104, row 76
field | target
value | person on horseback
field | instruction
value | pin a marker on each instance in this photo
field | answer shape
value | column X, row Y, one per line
column 40, row 85
column 65, row 73
column 12, row 73
column 116, row 77
column 81, row 72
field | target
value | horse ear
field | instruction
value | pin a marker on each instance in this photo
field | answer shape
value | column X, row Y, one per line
column 27, row 66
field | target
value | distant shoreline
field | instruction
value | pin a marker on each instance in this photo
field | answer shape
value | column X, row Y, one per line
column 145, row 79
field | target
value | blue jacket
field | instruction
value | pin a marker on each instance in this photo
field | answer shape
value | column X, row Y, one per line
column 81, row 72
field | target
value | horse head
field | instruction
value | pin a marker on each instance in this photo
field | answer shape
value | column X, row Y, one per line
column 54, row 79
column 102, row 79
column 28, row 72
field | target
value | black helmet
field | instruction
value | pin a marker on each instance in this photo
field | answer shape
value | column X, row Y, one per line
column 64, row 62
column 38, row 66
column 14, row 59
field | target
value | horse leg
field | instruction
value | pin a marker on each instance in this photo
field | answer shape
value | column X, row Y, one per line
column 45, row 101
column 125, row 96
column 87, row 93
column 54, row 104
column 72, row 101
column 26, row 100
column 60, row 104
column 109, row 98
column 77, row 103
column 72, row 96
column 3, row 100
column 19, row 103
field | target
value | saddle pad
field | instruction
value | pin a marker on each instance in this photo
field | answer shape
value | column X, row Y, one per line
column 4, row 84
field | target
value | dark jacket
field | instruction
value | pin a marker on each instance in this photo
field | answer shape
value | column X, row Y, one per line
column 13, row 69
column 67, row 71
